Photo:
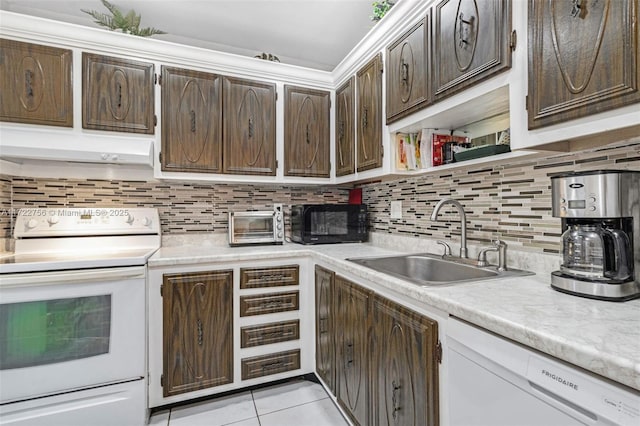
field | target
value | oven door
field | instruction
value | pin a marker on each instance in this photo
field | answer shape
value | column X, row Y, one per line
column 68, row 330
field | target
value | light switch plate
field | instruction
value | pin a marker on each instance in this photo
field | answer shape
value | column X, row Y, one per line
column 396, row 210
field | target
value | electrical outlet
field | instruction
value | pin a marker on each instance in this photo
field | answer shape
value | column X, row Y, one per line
column 396, row 210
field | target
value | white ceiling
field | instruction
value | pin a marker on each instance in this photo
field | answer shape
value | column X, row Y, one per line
column 311, row 33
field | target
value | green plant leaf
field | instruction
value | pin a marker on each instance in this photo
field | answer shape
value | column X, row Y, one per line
column 129, row 23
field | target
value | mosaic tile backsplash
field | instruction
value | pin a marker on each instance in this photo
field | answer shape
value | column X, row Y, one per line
column 507, row 201
column 183, row 207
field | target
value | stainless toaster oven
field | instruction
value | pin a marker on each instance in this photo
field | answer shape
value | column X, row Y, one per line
column 256, row 227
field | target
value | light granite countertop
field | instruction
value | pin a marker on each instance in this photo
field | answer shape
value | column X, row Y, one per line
column 599, row 336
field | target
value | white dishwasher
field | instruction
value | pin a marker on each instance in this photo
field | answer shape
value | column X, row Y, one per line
column 496, row 382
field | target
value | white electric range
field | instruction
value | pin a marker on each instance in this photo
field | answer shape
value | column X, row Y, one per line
column 73, row 316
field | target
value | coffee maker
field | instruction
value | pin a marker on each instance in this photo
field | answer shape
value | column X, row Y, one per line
column 600, row 212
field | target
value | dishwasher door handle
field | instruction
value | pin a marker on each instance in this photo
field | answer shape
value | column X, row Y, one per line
column 560, row 400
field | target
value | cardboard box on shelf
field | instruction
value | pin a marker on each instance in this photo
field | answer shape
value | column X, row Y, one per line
column 408, row 151
column 435, row 140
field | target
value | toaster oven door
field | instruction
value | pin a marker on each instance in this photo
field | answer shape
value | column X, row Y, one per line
column 252, row 228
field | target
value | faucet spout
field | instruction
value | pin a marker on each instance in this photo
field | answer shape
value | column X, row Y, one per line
column 463, row 221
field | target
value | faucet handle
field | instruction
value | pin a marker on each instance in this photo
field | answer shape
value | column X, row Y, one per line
column 447, row 248
column 482, row 255
column 502, row 254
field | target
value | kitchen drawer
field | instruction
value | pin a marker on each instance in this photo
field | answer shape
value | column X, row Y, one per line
column 268, row 303
column 265, row 365
column 265, row 334
column 269, row 277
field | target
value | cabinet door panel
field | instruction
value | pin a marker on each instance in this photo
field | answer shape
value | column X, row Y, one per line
column 117, row 94
column 306, row 139
column 471, row 43
column 408, row 73
column 325, row 347
column 36, row 84
column 404, row 376
column 249, row 127
column 269, row 277
column 345, row 114
column 269, row 303
column 369, row 153
column 352, row 381
column 197, row 331
column 582, row 60
column 266, row 334
column 191, row 121
column 265, row 365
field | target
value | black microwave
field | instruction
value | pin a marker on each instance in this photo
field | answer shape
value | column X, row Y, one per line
column 329, row 223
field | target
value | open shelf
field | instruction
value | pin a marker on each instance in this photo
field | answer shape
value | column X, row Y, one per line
column 469, row 163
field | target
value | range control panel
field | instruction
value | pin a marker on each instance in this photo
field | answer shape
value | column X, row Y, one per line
column 63, row 222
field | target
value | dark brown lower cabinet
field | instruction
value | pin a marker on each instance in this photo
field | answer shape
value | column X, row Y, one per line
column 270, row 303
column 325, row 346
column 382, row 358
column 351, row 304
column 197, row 331
column 404, row 366
column 273, row 332
column 265, row 365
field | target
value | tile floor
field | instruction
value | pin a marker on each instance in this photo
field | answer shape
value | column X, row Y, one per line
column 294, row 403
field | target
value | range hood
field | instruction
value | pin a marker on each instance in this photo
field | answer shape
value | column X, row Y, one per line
column 73, row 145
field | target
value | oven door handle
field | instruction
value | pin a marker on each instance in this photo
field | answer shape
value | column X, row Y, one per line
column 70, row 277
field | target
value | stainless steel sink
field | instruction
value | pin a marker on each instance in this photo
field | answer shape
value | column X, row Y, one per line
column 432, row 270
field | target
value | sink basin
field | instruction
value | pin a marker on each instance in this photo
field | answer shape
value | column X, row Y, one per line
column 431, row 270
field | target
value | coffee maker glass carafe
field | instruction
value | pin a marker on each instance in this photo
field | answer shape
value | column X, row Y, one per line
column 596, row 252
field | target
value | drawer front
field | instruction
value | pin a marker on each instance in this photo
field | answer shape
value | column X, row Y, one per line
column 269, row 277
column 269, row 333
column 268, row 303
column 265, row 365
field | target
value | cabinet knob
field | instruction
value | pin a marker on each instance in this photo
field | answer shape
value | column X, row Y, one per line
column 192, row 118
column 404, row 72
column 576, row 8
column 200, row 332
column 395, row 399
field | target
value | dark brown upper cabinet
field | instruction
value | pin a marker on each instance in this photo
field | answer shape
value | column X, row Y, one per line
column 191, row 121
column 117, row 94
column 249, row 145
column 306, row 132
column 369, row 120
column 345, row 131
column 197, row 331
column 583, row 59
column 471, row 42
column 36, row 84
column 408, row 75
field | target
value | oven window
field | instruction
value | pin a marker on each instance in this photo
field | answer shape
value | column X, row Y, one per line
column 51, row 331
column 254, row 227
column 329, row 223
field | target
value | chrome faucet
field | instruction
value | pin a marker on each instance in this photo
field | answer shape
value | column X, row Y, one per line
column 463, row 221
